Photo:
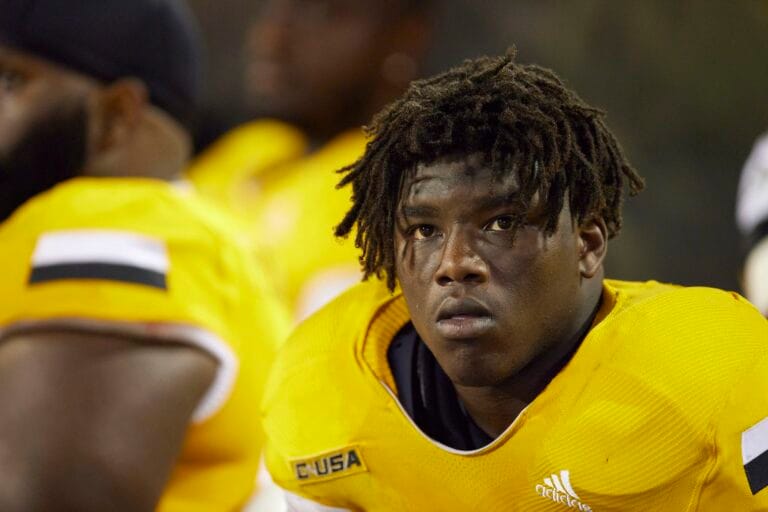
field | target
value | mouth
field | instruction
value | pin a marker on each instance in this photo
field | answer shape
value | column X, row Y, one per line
column 463, row 319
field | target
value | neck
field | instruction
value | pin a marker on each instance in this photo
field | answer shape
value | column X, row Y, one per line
column 494, row 408
column 157, row 148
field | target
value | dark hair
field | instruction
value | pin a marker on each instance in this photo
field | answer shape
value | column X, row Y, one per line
column 518, row 118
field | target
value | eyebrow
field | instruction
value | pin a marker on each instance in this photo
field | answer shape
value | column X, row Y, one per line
column 418, row 211
column 487, row 203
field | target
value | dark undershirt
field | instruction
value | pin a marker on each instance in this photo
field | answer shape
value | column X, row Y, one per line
column 428, row 396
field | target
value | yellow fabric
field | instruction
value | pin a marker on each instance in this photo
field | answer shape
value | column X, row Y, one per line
column 647, row 415
column 211, row 287
column 266, row 174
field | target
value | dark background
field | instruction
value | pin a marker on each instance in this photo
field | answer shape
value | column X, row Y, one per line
column 685, row 85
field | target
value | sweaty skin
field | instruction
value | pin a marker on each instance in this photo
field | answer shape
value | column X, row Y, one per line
column 501, row 311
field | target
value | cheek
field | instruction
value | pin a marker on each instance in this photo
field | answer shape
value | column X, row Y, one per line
column 17, row 115
column 414, row 274
column 538, row 273
column 553, row 286
column 415, row 261
column 11, row 132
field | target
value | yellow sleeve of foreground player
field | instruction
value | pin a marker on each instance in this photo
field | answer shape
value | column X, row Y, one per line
column 738, row 477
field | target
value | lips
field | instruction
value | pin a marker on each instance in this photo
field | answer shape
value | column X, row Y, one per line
column 463, row 319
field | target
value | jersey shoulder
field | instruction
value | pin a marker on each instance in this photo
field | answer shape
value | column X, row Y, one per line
column 319, row 373
column 670, row 310
column 330, row 336
column 245, row 151
column 149, row 251
column 689, row 345
column 149, row 206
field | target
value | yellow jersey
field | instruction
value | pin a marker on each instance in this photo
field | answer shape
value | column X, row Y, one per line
column 144, row 257
column 663, row 407
column 266, row 173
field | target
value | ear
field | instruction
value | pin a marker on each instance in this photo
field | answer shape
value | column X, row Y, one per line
column 593, row 246
column 119, row 108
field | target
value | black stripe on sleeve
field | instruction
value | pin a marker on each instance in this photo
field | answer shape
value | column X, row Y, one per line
column 757, row 473
column 99, row 271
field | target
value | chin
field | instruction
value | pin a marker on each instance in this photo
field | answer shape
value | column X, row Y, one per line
column 475, row 374
column 473, row 381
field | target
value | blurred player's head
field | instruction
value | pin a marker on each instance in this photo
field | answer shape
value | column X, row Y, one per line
column 328, row 65
column 96, row 87
column 489, row 193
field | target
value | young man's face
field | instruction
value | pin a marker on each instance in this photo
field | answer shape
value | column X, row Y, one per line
column 42, row 126
column 485, row 302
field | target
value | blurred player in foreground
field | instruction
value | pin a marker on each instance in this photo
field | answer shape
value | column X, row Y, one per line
column 752, row 218
column 134, row 334
column 495, row 368
column 317, row 70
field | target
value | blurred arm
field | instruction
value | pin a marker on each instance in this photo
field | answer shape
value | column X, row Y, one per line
column 756, row 276
column 93, row 423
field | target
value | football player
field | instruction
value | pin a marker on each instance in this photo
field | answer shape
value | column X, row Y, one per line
column 494, row 367
column 316, row 71
column 134, row 333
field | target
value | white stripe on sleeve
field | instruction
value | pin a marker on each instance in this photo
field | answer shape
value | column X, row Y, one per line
column 754, row 441
column 101, row 246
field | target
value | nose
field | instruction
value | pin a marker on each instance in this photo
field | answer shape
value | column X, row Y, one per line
column 460, row 262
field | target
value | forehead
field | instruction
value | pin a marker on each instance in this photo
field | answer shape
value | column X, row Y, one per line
column 466, row 179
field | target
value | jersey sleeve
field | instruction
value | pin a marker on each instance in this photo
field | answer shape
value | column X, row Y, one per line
column 739, row 478
column 183, row 288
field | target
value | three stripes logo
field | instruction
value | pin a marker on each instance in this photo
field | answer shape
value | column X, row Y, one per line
column 754, row 452
column 558, row 489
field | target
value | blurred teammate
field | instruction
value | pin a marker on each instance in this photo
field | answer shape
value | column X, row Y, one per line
column 317, row 71
column 134, row 334
column 752, row 218
column 496, row 368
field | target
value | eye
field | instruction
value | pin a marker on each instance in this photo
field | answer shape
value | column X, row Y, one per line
column 424, row 231
column 503, row 223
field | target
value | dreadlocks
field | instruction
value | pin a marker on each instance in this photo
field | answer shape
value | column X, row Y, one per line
column 518, row 118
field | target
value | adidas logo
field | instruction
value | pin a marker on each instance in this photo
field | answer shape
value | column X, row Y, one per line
column 558, row 489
